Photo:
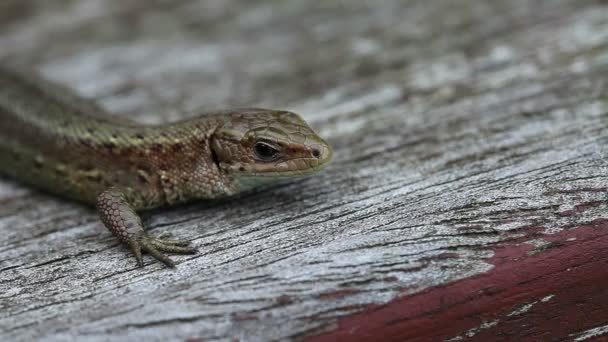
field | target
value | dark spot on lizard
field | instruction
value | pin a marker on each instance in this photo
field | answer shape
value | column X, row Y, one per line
column 139, row 136
column 95, row 177
column 38, row 163
column 86, row 167
column 109, row 145
column 126, row 150
column 177, row 147
column 85, row 142
column 144, row 168
column 142, row 178
column 60, row 168
column 157, row 148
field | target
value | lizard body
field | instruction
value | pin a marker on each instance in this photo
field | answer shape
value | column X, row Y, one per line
column 56, row 141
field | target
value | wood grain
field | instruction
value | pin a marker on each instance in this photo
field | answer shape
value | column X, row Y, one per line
column 466, row 200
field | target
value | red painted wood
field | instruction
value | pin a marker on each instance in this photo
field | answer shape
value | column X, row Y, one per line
column 565, row 284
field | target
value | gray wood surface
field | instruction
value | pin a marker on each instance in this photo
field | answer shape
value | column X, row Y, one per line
column 457, row 126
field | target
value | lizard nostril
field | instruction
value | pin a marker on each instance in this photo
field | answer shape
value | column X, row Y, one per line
column 316, row 153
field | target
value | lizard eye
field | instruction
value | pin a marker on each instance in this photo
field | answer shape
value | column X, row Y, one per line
column 265, row 151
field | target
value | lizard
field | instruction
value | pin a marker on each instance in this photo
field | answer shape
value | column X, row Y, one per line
column 59, row 142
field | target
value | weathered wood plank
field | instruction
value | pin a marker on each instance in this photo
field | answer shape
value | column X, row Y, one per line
column 467, row 198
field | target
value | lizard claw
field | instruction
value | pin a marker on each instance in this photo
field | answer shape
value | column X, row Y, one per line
column 155, row 246
column 136, row 249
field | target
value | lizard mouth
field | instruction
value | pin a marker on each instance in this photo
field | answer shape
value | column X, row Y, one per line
column 300, row 167
column 251, row 179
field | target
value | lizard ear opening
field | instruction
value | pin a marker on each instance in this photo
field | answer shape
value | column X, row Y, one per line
column 220, row 147
column 214, row 157
column 227, row 149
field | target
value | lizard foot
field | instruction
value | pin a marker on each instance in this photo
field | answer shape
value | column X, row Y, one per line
column 155, row 246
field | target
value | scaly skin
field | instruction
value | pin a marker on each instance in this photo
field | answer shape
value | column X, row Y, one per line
column 58, row 142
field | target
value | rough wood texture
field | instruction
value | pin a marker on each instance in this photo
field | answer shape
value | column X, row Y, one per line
column 467, row 198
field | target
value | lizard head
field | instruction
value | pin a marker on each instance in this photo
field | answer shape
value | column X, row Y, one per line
column 258, row 145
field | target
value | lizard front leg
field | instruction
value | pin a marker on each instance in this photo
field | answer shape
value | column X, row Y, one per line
column 117, row 214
